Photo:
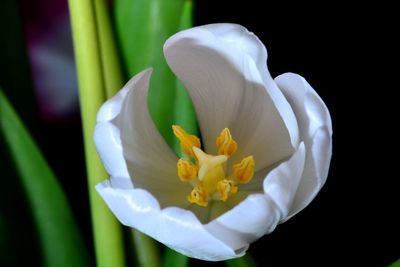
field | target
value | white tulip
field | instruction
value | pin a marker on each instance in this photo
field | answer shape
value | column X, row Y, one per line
column 278, row 129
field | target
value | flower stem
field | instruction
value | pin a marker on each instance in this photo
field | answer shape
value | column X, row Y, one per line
column 173, row 258
column 106, row 230
column 112, row 73
column 146, row 250
column 245, row 261
column 145, row 247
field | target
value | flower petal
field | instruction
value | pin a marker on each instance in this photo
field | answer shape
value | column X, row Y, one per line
column 316, row 132
column 151, row 163
column 252, row 218
column 177, row 228
column 107, row 136
column 109, row 148
column 259, row 214
column 223, row 66
column 112, row 107
column 282, row 182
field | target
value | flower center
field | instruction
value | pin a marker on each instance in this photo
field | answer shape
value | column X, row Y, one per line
column 207, row 173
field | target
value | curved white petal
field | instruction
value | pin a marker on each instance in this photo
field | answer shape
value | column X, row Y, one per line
column 315, row 130
column 111, row 108
column 252, row 218
column 177, row 228
column 282, row 182
column 223, row 66
column 259, row 214
column 107, row 137
column 151, row 163
column 108, row 144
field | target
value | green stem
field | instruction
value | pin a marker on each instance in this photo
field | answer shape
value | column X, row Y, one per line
column 146, row 250
column 145, row 247
column 112, row 72
column 245, row 261
column 106, row 230
column 173, row 258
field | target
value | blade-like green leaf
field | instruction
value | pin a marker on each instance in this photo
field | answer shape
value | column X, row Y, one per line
column 16, row 220
column 395, row 264
column 184, row 114
column 142, row 28
column 61, row 241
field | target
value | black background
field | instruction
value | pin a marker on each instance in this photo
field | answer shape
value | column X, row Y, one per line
column 344, row 53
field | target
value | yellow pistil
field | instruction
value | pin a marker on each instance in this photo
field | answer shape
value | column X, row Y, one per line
column 187, row 141
column 225, row 143
column 208, row 173
column 186, row 169
column 243, row 172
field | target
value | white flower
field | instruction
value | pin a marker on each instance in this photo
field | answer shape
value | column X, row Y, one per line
column 278, row 130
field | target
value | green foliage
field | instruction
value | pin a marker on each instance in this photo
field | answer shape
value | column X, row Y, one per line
column 142, row 27
column 245, row 261
column 92, row 94
column 61, row 242
column 172, row 258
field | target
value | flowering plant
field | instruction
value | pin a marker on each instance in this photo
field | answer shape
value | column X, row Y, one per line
column 265, row 154
column 205, row 159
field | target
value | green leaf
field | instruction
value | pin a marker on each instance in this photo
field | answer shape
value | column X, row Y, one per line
column 245, row 261
column 61, row 242
column 395, row 264
column 173, row 258
column 184, row 114
column 142, row 28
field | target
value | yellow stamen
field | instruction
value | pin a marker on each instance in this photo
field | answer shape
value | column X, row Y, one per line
column 226, row 187
column 186, row 169
column 187, row 141
column 199, row 195
column 225, row 143
column 243, row 172
column 207, row 173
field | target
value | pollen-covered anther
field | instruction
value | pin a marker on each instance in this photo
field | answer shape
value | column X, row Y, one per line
column 225, row 188
column 243, row 172
column 225, row 143
column 187, row 141
column 186, row 169
column 199, row 195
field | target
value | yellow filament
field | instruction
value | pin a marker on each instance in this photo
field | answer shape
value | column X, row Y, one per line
column 199, row 195
column 187, row 141
column 186, row 169
column 226, row 187
column 243, row 172
column 225, row 143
